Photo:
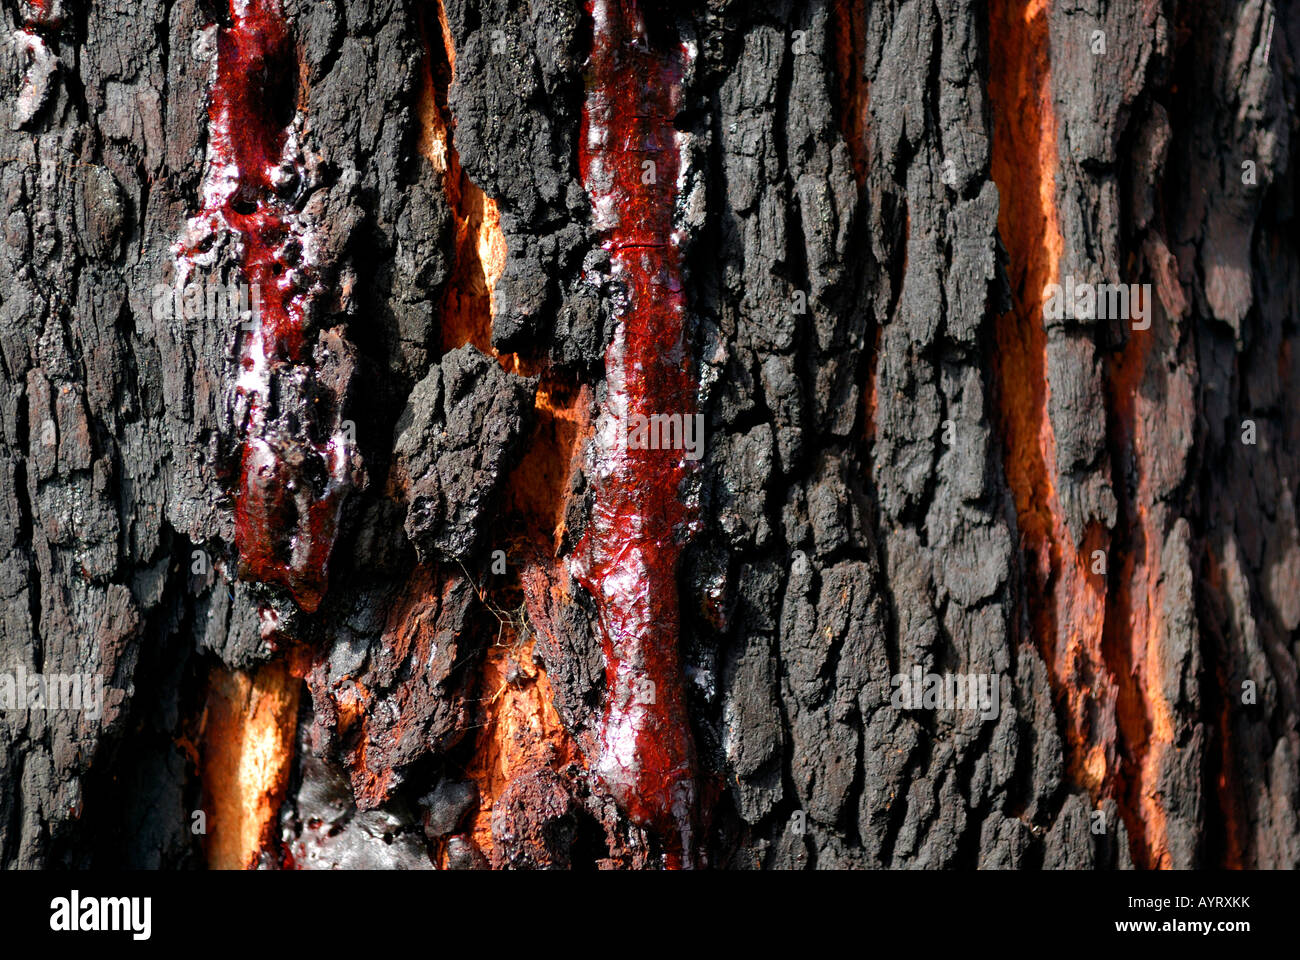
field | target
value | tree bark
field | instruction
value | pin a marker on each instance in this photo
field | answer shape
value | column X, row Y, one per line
column 370, row 575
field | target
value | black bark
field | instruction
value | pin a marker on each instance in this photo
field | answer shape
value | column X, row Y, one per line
column 847, row 273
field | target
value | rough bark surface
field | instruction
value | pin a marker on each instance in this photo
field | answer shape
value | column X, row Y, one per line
column 905, row 464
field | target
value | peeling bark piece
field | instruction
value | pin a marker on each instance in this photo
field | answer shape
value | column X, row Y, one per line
column 457, row 440
column 408, row 698
column 446, row 806
column 533, row 823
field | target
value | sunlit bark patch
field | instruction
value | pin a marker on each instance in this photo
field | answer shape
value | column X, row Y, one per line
column 1066, row 600
column 1136, row 626
column 516, row 727
column 1096, row 606
column 521, row 730
column 479, row 245
column 247, row 741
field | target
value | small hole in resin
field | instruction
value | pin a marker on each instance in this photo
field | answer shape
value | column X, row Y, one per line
column 284, row 544
column 314, row 475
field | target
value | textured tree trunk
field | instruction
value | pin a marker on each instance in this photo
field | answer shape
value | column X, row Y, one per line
column 379, row 568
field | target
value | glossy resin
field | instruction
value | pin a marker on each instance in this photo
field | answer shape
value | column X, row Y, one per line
column 630, row 157
column 296, row 465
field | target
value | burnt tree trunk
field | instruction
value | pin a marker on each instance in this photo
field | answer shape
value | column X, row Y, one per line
column 375, row 571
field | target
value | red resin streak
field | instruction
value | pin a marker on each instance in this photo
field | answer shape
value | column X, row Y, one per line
column 39, row 14
column 284, row 523
column 252, row 59
column 628, row 556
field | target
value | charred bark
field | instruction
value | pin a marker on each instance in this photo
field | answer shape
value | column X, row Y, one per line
column 374, row 571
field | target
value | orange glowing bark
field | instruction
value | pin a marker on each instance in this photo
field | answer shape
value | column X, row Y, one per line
column 247, row 751
column 1134, row 628
column 522, row 729
column 1067, row 603
column 519, row 727
column 479, row 251
column 538, row 488
column 1101, row 646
